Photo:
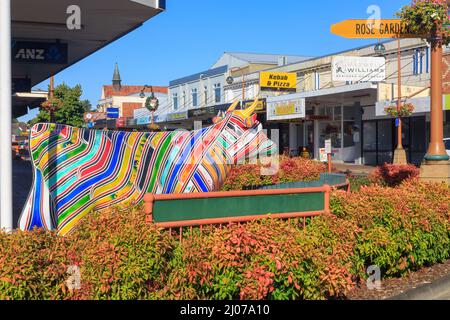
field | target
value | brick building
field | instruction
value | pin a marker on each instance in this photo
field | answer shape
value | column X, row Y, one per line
column 127, row 98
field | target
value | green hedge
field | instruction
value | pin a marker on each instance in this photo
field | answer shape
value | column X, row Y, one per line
column 121, row 257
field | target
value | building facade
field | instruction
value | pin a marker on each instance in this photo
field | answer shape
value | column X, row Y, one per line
column 130, row 102
column 200, row 96
column 351, row 114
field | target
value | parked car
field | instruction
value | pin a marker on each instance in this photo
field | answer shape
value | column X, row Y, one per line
column 447, row 145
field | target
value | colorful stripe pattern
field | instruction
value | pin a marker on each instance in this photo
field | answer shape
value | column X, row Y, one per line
column 77, row 171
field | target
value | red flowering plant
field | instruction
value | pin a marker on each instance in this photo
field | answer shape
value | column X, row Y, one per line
column 405, row 110
column 393, row 175
column 426, row 18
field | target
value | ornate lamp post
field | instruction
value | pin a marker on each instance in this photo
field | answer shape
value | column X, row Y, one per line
column 151, row 103
column 427, row 18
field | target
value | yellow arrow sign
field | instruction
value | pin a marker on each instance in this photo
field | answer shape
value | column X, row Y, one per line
column 371, row 29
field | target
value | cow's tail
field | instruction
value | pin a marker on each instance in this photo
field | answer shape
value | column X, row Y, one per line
column 38, row 209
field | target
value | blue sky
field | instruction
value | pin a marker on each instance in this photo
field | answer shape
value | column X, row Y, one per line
column 191, row 35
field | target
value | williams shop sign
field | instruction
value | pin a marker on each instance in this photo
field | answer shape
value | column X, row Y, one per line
column 39, row 52
column 359, row 69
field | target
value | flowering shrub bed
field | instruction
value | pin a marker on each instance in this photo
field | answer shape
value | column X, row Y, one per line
column 290, row 170
column 121, row 257
column 393, row 175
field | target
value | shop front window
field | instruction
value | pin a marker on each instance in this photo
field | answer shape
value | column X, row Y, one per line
column 330, row 130
column 447, row 124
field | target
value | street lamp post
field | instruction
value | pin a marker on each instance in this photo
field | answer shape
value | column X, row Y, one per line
column 436, row 165
column 151, row 103
column 436, row 150
column 399, row 153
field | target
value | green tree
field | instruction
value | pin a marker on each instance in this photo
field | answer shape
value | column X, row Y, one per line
column 72, row 109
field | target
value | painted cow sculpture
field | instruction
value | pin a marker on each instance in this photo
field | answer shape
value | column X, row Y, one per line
column 77, row 171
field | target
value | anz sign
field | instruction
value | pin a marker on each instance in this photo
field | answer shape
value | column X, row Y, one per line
column 39, row 52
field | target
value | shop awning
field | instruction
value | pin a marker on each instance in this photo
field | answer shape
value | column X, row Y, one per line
column 357, row 90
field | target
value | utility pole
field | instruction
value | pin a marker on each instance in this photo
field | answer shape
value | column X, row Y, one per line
column 399, row 153
column 436, row 165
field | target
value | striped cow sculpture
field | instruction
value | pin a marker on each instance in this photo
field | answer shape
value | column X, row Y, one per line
column 77, row 171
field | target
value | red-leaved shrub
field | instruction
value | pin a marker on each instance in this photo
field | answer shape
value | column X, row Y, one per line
column 289, row 170
column 402, row 228
column 269, row 259
column 393, row 175
column 120, row 256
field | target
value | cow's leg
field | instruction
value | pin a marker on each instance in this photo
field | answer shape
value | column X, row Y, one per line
column 39, row 207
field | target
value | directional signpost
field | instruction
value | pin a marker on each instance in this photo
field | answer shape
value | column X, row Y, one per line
column 371, row 29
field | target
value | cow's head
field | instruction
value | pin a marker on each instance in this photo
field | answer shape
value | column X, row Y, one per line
column 243, row 135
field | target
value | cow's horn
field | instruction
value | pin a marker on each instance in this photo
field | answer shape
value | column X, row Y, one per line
column 250, row 110
column 233, row 106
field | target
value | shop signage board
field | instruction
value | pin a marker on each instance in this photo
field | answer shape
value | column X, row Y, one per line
column 358, row 69
column 328, row 146
column 372, row 29
column 278, row 81
column 323, row 156
column 94, row 116
column 112, row 113
column 286, row 110
column 121, row 122
column 208, row 111
column 260, row 107
column 39, row 52
column 143, row 120
column 177, row 116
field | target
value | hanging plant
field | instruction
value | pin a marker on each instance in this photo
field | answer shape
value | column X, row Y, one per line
column 52, row 104
column 406, row 110
column 426, row 18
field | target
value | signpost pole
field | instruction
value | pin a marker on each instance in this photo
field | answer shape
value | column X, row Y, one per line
column 329, row 162
column 6, row 217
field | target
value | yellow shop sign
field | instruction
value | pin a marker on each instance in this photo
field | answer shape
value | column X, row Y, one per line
column 278, row 81
column 285, row 109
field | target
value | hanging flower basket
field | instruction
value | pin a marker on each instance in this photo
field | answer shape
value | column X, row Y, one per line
column 52, row 104
column 406, row 110
column 426, row 18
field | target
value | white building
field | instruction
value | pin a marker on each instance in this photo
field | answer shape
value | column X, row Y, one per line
column 206, row 89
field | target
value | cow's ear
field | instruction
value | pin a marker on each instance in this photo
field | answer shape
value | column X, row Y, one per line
column 251, row 120
column 217, row 118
